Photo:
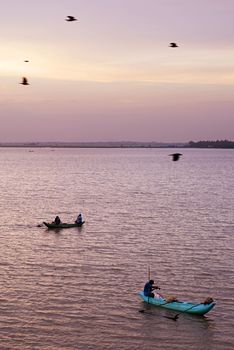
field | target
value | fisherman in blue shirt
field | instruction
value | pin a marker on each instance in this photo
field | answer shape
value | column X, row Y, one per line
column 148, row 289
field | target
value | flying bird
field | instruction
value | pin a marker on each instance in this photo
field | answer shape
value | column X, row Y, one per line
column 24, row 81
column 71, row 19
column 175, row 156
column 173, row 45
column 26, row 61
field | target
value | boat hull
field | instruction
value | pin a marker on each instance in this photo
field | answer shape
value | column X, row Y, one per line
column 187, row 307
column 62, row 225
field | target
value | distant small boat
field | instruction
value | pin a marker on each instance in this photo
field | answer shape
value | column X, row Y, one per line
column 62, row 225
column 181, row 306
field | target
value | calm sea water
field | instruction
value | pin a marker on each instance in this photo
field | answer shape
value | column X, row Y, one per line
column 78, row 288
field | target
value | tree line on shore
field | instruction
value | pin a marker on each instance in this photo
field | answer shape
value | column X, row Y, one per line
column 122, row 144
column 212, row 144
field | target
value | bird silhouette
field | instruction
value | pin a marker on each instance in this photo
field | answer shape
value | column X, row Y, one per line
column 71, row 19
column 173, row 45
column 24, row 81
column 26, row 61
column 175, row 156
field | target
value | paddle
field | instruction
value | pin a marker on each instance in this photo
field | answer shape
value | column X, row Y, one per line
column 174, row 318
column 149, row 277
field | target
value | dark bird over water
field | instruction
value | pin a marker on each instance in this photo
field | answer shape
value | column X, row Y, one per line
column 24, row 81
column 175, row 156
column 173, row 45
column 70, row 19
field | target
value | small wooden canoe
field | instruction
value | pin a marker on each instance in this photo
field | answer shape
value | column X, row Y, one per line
column 62, row 225
column 181, row 306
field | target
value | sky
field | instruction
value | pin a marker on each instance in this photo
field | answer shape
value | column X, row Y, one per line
column 111, row 75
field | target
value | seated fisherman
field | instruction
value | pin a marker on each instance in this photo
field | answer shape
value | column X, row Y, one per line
column 57, row 220
column 79, row 219
column 148, row 289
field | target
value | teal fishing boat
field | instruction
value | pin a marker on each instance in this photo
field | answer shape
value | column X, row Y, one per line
column 62, row 225
column 181, row 306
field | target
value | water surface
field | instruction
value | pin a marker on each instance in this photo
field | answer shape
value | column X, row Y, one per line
column 78, row 288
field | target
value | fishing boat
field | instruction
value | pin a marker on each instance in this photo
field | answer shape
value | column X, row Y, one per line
column 181, row 306
column 62, row 225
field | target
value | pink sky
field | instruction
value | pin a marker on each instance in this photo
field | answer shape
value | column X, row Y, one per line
column 111, row 75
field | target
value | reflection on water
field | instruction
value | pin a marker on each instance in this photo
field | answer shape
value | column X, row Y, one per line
column 78, row 288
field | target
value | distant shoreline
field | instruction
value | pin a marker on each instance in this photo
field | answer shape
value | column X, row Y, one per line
column 125, row 144
column 91, row 145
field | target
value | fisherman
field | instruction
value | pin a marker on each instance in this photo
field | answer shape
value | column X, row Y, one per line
column 148, row 289
column 79, row 219
column 57, row 220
